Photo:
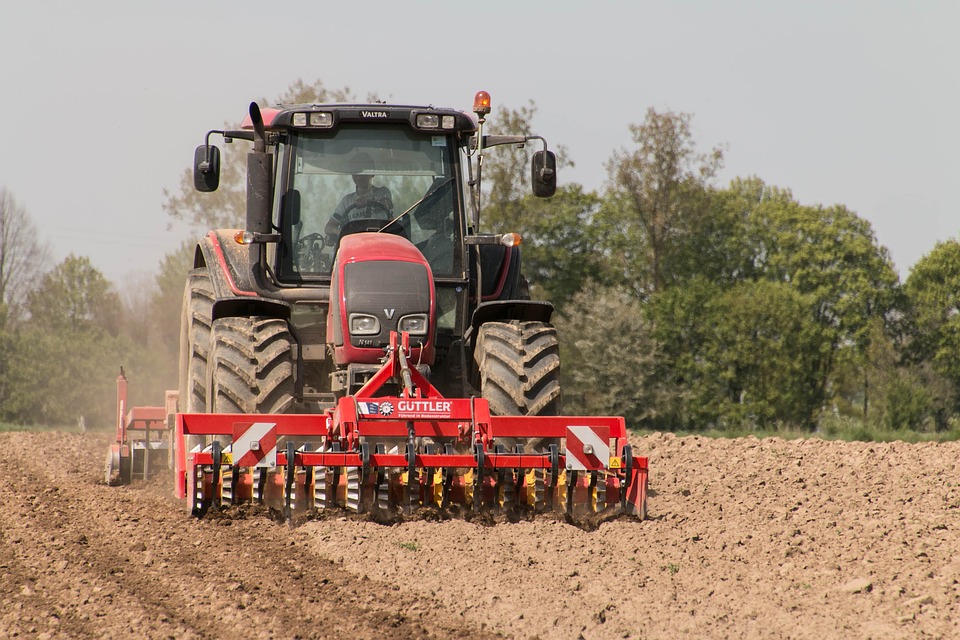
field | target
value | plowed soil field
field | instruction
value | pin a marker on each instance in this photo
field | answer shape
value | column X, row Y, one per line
column 746, row 538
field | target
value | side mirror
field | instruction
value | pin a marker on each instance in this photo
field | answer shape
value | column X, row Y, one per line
column 206, row 168
column 544, row 174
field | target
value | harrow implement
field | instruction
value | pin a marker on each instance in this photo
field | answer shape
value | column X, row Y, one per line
column 414, row 449
column 141, row 444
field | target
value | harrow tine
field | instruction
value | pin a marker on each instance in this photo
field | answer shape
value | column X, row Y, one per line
column 199, row 502
column 506, row 486
column 571, row 489
column 259, row 483
column 433, row 481
column 228, row 487
column 382, row 485
column 448, row 476
column 599, row 482
column 321, row 484
column 412, row 484
column 320, row 489
column 478, row 478
column 628, row 472
column 335, row 480
column 554, row 452
column 217, row 452
column 290, row 477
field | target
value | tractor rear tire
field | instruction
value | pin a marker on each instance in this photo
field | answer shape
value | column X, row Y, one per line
column 519, row 367
column 195, row 328
column 252, row 366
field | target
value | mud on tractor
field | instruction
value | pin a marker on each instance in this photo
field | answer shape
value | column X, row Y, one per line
column 360, row 344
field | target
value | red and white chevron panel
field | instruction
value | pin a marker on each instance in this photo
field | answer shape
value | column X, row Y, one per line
column 254, row 444
column 588, row 448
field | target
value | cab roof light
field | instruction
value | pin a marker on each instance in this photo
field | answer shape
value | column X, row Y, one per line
column 448, row 122
column 428, row 121
column 321, row 119
column 481, row 103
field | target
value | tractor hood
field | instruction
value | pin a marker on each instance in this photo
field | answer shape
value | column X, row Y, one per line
column 381, row 283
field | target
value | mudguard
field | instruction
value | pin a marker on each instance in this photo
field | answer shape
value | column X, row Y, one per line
column 233, row 276
column 500, row 271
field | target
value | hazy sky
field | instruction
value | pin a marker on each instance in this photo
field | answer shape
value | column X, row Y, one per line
column 856, row 103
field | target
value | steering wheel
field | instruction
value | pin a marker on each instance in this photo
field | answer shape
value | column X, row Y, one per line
column 310, row 254
column 366, row 205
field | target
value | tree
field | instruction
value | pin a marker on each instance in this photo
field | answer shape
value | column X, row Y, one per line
column 506, row 171
column 77, row 297
column 652, row 192
column 66, row 356
column 225, row 208
column 562, row 243
column 22, row 256
column 609, row 356
column 830, row 255
column 933, row 288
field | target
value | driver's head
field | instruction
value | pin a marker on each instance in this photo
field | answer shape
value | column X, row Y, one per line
column 362, row 181
column 361, row 166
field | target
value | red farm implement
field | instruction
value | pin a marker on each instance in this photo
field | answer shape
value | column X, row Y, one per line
column 387, row 454
column 142, row 438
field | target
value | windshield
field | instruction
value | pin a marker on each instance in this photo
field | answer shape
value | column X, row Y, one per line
column 371, row 178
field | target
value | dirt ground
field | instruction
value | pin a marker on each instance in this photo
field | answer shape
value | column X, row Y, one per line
column 746, row 538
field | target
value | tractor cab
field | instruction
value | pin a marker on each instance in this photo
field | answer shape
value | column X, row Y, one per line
column 353, row 179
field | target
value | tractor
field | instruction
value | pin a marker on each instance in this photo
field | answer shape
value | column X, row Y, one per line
column 361, row 343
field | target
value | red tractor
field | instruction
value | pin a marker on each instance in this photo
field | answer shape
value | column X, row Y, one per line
column 361, row 341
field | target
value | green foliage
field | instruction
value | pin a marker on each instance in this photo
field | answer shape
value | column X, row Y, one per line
column 562, row 246
column 62, row 362
column 22, row 256
column 75, row 297
column 609, row 356
column 655, row 193
column 739, row 355
column 933, row 288
column 832, row 255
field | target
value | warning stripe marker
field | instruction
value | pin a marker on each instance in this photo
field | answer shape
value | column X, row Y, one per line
column 588, row 448
column 255, row 444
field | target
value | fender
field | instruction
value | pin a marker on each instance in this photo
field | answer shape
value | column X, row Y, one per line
column 501, row 268
column 236, row 293
column 506, row 310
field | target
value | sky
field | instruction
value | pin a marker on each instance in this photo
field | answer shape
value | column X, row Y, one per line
column 842, row 102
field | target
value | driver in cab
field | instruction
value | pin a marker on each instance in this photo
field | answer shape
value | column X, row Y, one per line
column 367, row 202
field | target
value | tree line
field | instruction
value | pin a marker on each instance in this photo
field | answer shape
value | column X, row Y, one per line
column 681, row 304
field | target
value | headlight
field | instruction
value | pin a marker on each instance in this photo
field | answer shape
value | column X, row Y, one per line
column 415, row 325
column 363, row 325
column 428, row 120
column 321, row 119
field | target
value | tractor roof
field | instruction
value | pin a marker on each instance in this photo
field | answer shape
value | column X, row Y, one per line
column 330, row 115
